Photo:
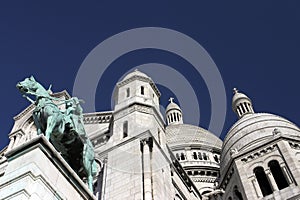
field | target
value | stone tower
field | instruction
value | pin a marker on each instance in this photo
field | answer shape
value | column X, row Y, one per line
column 196, row 149
column 260, row 155
column 137, row 107
column 136, row 161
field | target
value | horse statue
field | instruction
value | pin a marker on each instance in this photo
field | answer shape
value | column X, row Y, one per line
column 63, row 128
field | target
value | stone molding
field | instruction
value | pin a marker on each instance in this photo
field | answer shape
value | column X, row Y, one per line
column 259, row 153
column 140, row 78
column 97, row 117
column 140, row 108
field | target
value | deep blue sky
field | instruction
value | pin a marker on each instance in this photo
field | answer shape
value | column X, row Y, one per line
column 255, row 45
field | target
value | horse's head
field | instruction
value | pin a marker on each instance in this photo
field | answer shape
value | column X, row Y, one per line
column 28, row 85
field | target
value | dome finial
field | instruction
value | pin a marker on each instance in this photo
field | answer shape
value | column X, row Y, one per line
column 235, row 90
column 171, row 100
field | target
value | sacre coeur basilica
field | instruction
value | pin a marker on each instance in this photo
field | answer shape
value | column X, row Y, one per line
column 57, row 151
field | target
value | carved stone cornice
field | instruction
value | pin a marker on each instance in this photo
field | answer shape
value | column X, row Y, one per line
column 259, row 153
column 204, row 179
column 140, row 78
column 97, row 118
column 140, row 108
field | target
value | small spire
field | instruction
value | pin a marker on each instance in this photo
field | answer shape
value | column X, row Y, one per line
column 241, row 104
column 235, row 90
column 173, row 113
column 171, row 100
column 136, row 69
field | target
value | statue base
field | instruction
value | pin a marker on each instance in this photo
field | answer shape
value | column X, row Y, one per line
column 35, row 170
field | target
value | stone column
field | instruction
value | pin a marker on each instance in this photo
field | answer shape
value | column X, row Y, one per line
column 286, row 174
column 188, row 153
column 244, row 106
column 147, row 170
column 256, row 187
column 104, row 168
column 271, row 179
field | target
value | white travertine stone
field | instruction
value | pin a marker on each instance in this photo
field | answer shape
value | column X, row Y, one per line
column 37, row 170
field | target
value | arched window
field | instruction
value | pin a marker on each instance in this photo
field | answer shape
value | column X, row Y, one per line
column 127, row 92
column 241, row 106
column 125, row 129
column 195, row 155
column 216, row 158
column 142, row 90
column 263, row 181
column 182, row 156
column 205, row 156
column 177, row 156
column 278, row 174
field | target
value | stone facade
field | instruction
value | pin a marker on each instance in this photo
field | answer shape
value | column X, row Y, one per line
column 259, row 155
column 143, row 156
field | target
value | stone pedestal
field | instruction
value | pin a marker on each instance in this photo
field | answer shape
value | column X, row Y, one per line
column 35, row 170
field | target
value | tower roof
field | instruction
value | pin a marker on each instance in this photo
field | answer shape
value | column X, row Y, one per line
column 241, row 104
column 172, row 105
column 252, row 131
column 137, row 73
column 173, row 113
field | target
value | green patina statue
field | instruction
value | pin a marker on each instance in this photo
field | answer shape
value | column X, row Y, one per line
column 64, row 128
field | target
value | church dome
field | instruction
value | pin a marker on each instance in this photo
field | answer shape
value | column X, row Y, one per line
column 173, row 113
column 187, row 135
column 237, row 97
column 241, row 104
column 136, row 73
column 253, row 130
column 172, row 106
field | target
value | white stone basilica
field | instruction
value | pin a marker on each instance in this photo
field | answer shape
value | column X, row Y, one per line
column 144, row 155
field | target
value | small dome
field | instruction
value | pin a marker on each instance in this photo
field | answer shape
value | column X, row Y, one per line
column 172, row 106
column 241, row 104
column 253, row 130
column 186, row 135
column 136, row 72
column 238, row 96
column 173, row 113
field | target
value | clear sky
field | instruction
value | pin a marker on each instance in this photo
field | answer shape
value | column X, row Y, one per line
column 255, row 47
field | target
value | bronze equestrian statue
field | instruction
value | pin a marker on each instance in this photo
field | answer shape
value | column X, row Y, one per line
column 64, row 128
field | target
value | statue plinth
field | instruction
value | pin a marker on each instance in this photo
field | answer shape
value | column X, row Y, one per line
column 36, row 170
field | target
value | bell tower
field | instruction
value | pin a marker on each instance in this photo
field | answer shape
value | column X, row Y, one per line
column 137, row 107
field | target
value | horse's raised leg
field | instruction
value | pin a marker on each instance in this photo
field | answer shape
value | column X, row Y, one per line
column 51, row 122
